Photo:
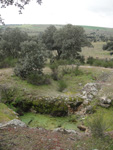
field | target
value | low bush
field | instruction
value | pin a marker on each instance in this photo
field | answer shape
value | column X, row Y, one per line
column 38, row 79
column 8, row 62
column 54, row 68
column 61, row 85
column 97, row 125
column 100, row 62
column 77, row 71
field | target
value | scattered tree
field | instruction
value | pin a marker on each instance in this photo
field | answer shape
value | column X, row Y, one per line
column 69, row 40
column 32, row 59
column 10, row 42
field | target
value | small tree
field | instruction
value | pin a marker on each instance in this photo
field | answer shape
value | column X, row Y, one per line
column 32, row 59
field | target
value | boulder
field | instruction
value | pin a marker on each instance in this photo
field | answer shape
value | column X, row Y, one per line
column 64, row 131
column 89, row 91
column 14, row 122
column 105, row 100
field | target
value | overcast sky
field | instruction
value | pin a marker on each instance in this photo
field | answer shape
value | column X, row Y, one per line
column 76, row 12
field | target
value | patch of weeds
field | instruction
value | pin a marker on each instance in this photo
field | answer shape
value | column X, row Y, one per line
column 97, row 125
column 62, row 85
column 7, row 94
column 73, row 118
column 77, row 71
column 38, row 79
column 54, row 68
column 92, row 143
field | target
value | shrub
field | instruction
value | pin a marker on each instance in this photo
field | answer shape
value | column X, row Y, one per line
column 90, row 60
column 7, row 94
column 97, row 125
column 61, row 85
column 8, row 62
column 54, row 68
column 38, row 79
column 77, row 71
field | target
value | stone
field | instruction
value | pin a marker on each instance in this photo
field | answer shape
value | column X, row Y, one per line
column 14, row 122
column 89, row 109
column 105, row 100
column 89, row 91
column 104, row 105
column 82, row 127
column 64, row 131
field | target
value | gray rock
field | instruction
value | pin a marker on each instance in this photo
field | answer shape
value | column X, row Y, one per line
column 14, row 122
column 104, row 105
column 64, row 131
column 105, row 100
column 90, row 90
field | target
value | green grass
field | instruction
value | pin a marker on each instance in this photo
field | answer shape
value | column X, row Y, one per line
column 107, row 115
column 48, row 122
column 5, row 113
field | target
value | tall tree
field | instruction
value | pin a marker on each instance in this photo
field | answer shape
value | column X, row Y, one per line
column 10, row 43
column 48, row 37
column 69, row 40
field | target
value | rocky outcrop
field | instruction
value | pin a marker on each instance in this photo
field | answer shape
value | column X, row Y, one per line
column 90, row 91
column 14, row 122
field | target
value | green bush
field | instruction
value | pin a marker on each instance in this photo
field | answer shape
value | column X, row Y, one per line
column 90, row 60
column 38, row 79
column 54, row 68
column 77, row 71
column 7, row 94
column 61, row 85
column 8, row 62
column 100, row 62
column 97, row 125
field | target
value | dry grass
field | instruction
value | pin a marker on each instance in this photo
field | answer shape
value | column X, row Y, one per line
column 96, row 51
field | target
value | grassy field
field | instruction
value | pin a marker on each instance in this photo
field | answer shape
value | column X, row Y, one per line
column 96, row 51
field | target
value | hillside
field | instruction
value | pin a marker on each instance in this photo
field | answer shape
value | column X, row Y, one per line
column 33, row 29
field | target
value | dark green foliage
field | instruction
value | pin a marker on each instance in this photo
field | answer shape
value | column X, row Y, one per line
column 7, row 94
column 69, row 40
column 38, row 79
column 97, row 126
column 8, row 62
column 54, row 68
column 48, row 37
column 90, row 60
column 10, row 42
column 100, row 62
column 108, row 46
column 77, row 71
column 54, row 108
column 32, row 59
column 21, row 105
column 61, row 85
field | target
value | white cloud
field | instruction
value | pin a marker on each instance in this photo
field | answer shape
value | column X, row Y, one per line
column 78, row 12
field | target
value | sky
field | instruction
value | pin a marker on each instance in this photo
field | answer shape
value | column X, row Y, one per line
column 76, row 12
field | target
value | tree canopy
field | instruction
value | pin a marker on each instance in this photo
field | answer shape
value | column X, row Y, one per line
column 68, row 40
column 10, row 42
